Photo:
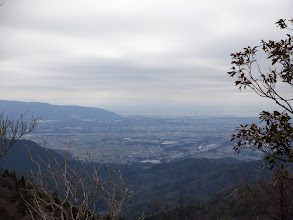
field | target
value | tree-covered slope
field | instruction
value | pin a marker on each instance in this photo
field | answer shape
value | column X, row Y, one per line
column 198, row 178
column 17, row 158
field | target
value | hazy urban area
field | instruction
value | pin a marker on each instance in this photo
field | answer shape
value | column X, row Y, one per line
column 145, row 139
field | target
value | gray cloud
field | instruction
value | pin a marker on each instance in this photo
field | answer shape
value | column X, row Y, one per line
column 121, row 54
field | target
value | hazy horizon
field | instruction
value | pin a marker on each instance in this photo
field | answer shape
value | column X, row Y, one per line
column 133, row 56
column 200, row 111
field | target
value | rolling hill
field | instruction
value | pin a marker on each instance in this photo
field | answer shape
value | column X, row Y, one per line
column 55, row 112
column 196, row 178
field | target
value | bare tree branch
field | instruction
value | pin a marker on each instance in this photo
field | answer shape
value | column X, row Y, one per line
column 67, row 191
column 12, row 130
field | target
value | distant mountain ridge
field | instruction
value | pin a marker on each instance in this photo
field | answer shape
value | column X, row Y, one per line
column 55, row 112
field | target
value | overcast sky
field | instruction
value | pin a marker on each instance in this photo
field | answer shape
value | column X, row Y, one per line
column 133, row 55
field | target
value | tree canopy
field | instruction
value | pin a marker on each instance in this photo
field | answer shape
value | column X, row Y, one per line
column 274, row 135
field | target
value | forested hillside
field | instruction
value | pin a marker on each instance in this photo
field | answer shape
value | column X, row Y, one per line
column 194, row 179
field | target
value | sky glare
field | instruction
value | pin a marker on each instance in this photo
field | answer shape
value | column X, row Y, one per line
column 133, row 55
